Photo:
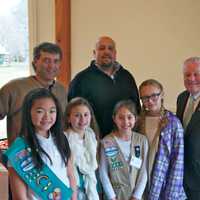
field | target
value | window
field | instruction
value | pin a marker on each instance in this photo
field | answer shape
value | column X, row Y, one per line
column 14, row 40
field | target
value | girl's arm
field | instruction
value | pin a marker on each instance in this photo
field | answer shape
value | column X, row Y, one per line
column 142, row 177
column 72, row 179
column 18, row 187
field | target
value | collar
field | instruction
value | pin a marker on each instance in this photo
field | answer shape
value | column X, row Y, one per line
column 116, row 66
column 196, row 96
column 49, row 87
column 42, row 138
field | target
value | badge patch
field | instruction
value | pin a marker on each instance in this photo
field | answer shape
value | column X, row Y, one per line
column 111, row 151
column 137, row 151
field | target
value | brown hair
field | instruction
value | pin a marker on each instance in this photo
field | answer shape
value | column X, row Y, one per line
column 129, row 104
column 77, row 101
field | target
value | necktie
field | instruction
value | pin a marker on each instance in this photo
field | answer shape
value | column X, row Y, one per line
column 189, row 111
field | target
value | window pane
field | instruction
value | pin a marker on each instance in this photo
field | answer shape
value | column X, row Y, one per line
column 14, row 49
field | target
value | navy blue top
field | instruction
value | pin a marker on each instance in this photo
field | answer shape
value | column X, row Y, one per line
column 103, row 92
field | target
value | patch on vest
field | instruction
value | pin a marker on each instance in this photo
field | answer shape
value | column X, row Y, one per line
column 111, row 151
column 116, row 164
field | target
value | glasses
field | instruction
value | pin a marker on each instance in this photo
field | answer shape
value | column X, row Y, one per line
column 153, row 97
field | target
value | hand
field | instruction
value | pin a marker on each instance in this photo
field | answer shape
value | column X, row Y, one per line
column 133, row 198
column 74, row 196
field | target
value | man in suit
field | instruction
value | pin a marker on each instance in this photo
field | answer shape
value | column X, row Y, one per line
column 191, row 123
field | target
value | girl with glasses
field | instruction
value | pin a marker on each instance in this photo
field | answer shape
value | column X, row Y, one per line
column 166, row 145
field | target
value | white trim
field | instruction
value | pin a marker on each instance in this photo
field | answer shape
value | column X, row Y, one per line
column 41, row 24
column 32, row 27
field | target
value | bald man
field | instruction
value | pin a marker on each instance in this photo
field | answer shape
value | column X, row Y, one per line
column 103, row 83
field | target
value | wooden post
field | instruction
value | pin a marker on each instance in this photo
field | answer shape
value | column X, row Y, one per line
column 63, row 38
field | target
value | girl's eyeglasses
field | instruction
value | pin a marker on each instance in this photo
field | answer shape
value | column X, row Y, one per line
column 153, row 97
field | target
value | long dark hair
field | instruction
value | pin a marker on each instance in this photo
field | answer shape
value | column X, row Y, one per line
column 29, row 133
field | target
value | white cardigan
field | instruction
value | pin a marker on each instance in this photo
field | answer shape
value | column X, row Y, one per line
column 84, row 156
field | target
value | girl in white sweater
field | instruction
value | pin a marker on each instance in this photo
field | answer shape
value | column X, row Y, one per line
column 80, row 130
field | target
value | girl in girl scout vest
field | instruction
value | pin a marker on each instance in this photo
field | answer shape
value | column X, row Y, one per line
column 81, row 130
column 123, row 156
column 39, row 161
column 166, row 152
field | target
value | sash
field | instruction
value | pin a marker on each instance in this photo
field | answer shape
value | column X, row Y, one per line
column 42, row 181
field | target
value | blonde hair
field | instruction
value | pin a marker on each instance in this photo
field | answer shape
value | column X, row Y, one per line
column 151, row 82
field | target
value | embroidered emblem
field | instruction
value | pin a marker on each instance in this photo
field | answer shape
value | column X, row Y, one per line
column 25, row 160
column 55, row 195
column 117, row 186
column 137, row 151
column 113, row 159
column 117, row 165
column 22, row 154
column 31, row 174
column 111, row 151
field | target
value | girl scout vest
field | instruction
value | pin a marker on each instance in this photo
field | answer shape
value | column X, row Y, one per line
column 42, row 181
column 123, row 176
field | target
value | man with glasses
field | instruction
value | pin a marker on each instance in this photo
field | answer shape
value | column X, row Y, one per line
column 104, row 83
column 188, row 110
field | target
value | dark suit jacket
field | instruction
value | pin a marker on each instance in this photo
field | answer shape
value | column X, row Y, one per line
column 192, row 144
